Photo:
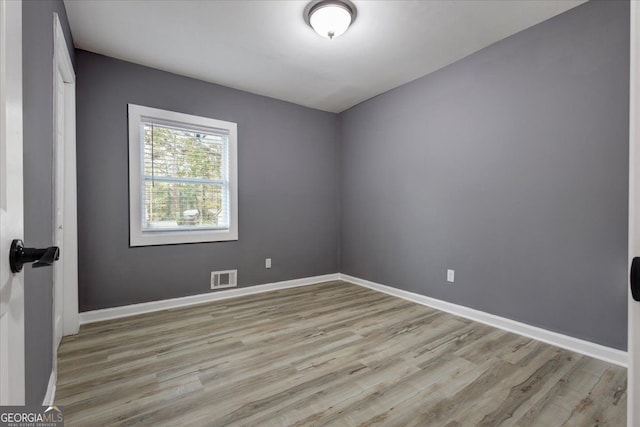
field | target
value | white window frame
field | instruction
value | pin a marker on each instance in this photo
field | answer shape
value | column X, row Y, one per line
column 138, row 237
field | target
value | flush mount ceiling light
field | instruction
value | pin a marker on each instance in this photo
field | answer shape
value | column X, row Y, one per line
column 330, row 18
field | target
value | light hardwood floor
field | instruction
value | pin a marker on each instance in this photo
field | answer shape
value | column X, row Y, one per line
column 331, row 354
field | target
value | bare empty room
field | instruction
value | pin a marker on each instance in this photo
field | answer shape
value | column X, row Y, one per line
column 319, row 213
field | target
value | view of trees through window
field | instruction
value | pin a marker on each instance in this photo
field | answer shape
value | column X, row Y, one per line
column 185, row 182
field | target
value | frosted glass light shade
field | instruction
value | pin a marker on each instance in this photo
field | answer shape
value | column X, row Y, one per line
column 330, row 20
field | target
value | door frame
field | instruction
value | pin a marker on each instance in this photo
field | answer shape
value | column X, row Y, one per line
column 12, row 351
column 633, row 347
column 69, row 253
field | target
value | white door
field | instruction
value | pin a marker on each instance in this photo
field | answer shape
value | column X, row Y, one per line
column 65, row 271
column 58, row 206
column 633, row 375
column 11, row 204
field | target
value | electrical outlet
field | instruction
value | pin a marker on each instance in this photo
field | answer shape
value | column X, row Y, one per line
column 267, row 263
column 450, row 275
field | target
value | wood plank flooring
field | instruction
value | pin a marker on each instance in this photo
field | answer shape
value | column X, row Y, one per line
column 332, row 354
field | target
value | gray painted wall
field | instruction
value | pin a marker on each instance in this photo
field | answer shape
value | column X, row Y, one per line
column 37, row 62
column 509, row 166
column 288, row 188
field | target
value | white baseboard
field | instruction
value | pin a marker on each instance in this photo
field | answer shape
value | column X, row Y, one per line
column 148, row 307
column 51, row 390
column 587, row 348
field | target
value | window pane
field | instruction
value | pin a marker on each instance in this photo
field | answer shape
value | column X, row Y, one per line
column 180, row 205
column 183, row 153
column 182, row 178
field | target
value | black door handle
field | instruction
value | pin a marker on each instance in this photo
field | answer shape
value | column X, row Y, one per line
column 635, row 278
column 19, row 255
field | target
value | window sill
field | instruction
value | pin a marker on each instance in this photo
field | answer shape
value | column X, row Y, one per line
column 156, row 238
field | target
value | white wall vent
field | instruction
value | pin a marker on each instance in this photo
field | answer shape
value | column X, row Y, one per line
column 224, row 279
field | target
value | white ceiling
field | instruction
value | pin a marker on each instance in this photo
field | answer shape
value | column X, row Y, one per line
column 265, row 47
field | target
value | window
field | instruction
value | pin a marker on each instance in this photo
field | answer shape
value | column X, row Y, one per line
column 182, row 178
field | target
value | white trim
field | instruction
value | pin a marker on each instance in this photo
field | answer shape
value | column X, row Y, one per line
column 148, row 307
column 633, row 317
column 50, row 396
column 597, row 351
column 62, row 61
column 587, row 348
column 137, row 237
column 60, row 51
